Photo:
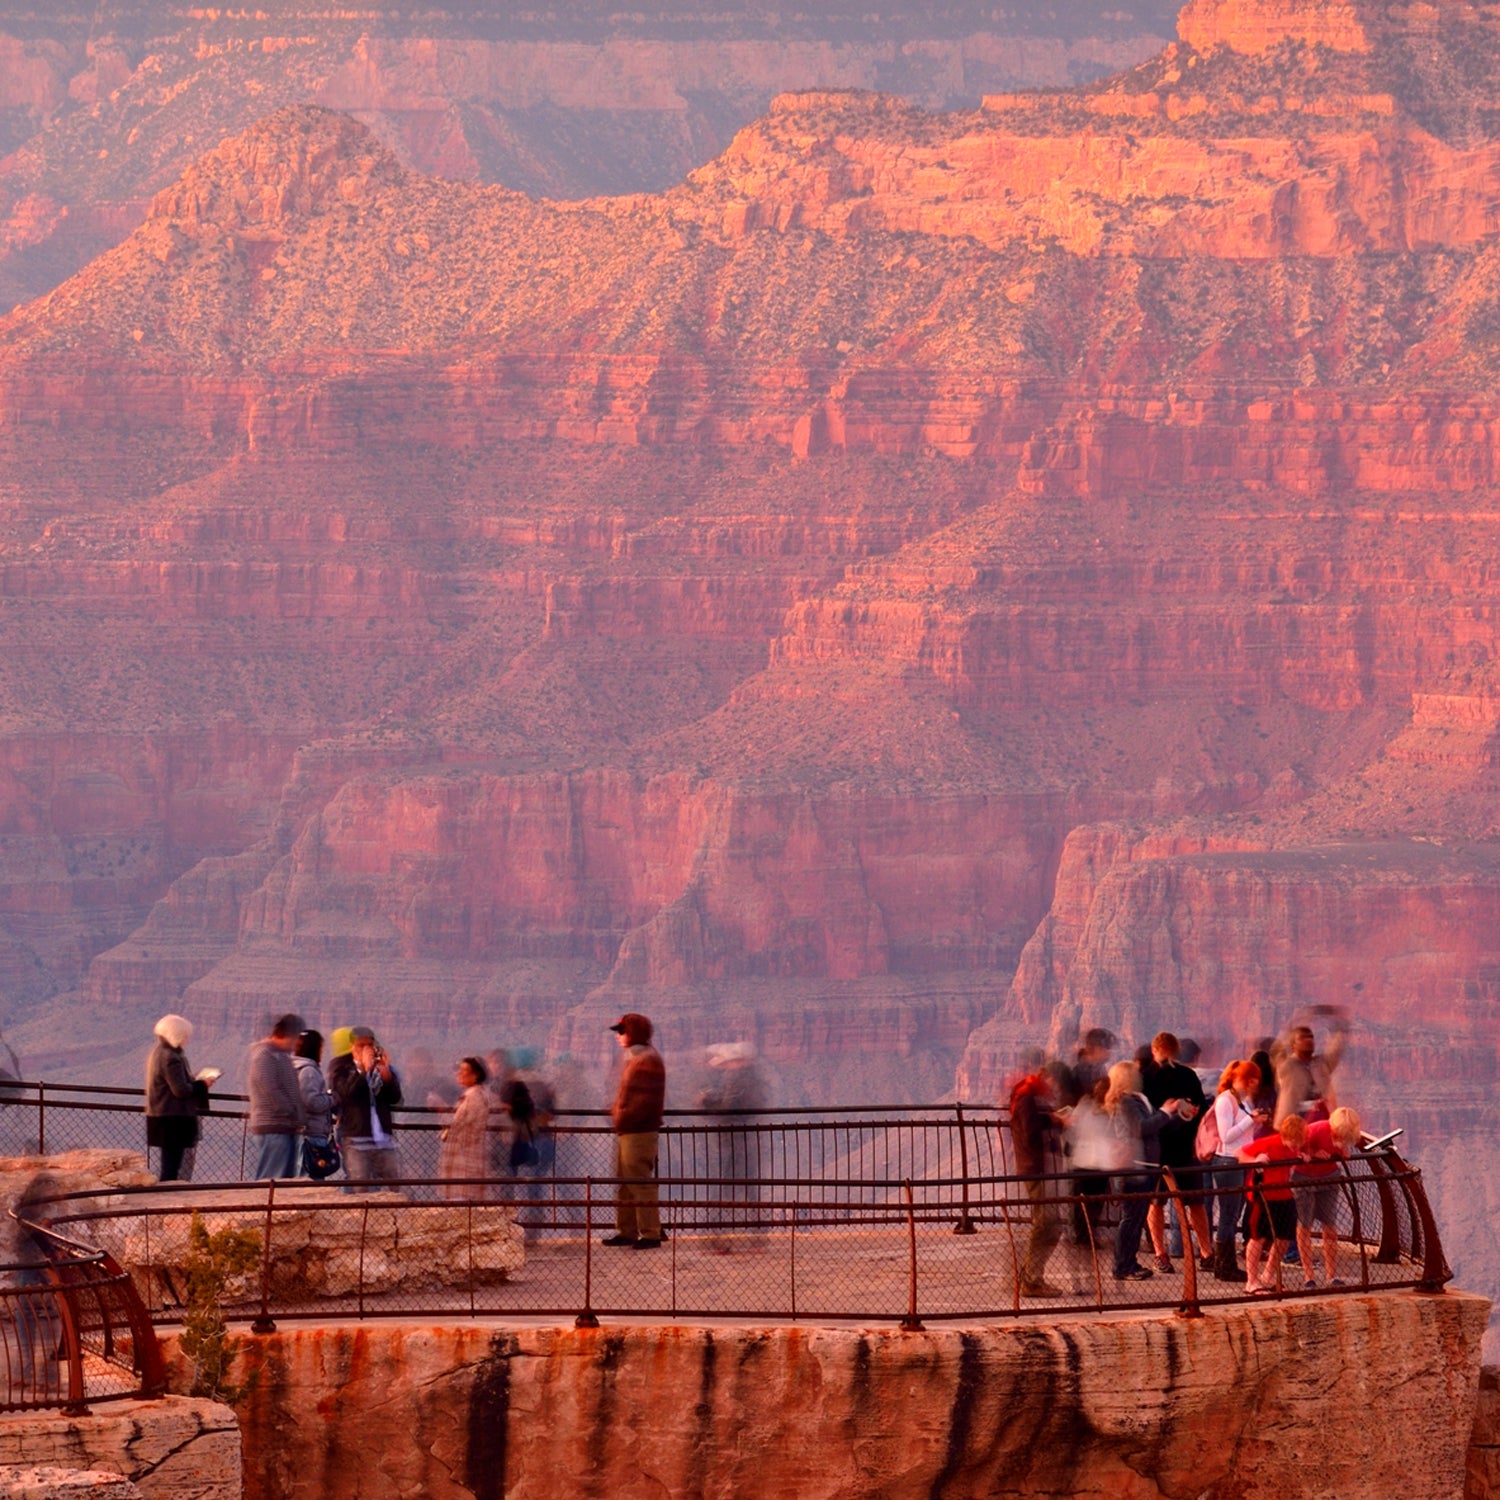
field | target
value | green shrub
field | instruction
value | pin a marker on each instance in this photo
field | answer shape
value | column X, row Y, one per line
column 212, row 1260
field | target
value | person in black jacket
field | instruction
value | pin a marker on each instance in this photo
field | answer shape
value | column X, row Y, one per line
column 173, row 1097
column 367, row 1087
column 1169, row 1078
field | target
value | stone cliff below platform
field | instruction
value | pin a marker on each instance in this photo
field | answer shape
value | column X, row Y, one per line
column 1252, row 1402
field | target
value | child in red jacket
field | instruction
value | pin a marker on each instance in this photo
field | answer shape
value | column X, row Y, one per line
column 1273, row 1213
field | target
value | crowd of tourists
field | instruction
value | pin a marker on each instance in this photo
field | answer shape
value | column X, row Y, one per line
column 305, row 1120
column 1251, row 1153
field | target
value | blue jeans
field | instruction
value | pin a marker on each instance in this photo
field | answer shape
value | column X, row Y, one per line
column 1229, row 1178
column 1132, row 1222
column 277, row 1156
column 364, row 1162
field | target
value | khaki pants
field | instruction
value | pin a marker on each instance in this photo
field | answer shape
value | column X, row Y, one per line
column 635, row 1209
column 1046, row 1230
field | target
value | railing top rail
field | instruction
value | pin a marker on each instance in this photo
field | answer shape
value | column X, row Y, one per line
column 1394, row 1170
column 881, row 1112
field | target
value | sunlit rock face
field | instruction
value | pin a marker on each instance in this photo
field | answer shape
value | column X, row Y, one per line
column 1139, row 1406
column 100, row 109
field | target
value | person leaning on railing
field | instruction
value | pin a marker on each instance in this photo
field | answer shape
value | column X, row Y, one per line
column 1319, row 1187
column 1273, row 1215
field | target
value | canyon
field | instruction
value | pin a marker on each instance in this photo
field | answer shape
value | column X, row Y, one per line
column 924, row 582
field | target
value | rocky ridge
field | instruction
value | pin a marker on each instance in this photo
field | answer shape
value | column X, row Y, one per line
column 99, row 111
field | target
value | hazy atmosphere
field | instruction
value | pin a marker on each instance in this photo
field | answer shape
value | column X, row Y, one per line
column 890, row 537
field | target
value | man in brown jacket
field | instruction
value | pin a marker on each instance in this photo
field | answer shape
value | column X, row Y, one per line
column 637, row 1115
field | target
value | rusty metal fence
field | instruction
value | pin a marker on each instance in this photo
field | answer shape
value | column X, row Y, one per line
column 73, row 1329
column 767, row 1248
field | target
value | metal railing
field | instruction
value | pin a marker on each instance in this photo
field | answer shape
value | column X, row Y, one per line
column 73, row 1329
column 854, row 1142
column 768, row 1248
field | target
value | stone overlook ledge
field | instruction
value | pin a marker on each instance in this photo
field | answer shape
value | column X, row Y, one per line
column 1360, row 1397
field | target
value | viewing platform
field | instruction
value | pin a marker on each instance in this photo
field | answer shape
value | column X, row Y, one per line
column 843, row 1314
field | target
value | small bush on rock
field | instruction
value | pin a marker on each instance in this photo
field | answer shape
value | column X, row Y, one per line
column 212, row 1260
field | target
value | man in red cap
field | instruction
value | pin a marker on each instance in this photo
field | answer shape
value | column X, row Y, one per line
column 637, row 1115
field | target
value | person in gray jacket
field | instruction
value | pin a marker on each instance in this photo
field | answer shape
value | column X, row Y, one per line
column 277, row 1112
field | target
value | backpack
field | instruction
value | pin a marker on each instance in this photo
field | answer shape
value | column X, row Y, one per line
column 1206, row 1143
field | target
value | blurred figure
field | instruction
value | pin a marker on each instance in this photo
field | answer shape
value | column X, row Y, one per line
column 174, row 1098
column 736, row 1094
column 1094, row 1156
column 17, row 1137
column 1091, row 1062
column 1034, row 1126
column 1304, row 1076
column 543, row 1113
column 465, row 1138
column 1273, row 1215
column 521, row 1111
column 1239, row 1123
column 320, row 1152
column 497, row 1064
column 1137, row 1128
column 1265, row 1088
column 1319, row 1187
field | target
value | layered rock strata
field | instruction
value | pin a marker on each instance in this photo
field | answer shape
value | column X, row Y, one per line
column 174, row 1448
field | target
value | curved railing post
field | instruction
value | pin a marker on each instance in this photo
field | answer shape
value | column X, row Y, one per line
column 965, row 1224
column 1435, row 1272
column 1188, row 1307
column 76, row 1402
column 1388, row 1253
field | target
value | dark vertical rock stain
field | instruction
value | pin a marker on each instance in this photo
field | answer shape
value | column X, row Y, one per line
column 489, row 1423
column 609, row 1359
column 961, row 1416
column 704, row 1446
column 860, row 1384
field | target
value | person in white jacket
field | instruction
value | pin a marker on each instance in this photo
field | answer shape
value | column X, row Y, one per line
column 1239, row 1124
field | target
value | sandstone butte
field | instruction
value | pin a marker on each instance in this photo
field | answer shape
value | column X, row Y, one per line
column 922, row 584
column 104, row 107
